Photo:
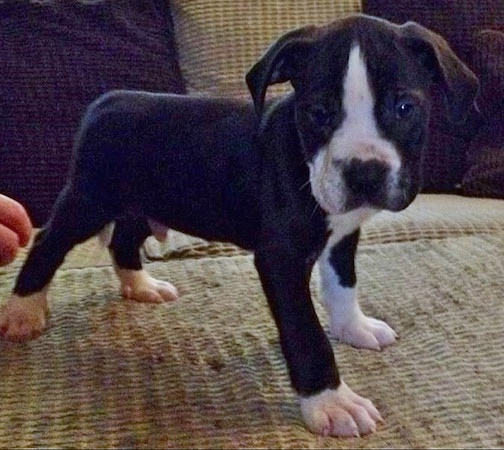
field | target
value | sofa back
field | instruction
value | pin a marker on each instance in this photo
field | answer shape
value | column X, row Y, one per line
column 58, row 56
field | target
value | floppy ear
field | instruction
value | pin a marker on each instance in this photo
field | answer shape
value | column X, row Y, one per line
column 277, row 65
column 459, row 84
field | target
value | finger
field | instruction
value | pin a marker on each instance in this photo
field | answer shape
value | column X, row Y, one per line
column 15, row 217
column 9, row 244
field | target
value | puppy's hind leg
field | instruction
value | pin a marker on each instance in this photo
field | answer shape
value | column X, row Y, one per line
column 136, row 283
column 74, row 219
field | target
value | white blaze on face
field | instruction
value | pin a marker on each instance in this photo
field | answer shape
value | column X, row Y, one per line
column 358, row 104
column 357, row 137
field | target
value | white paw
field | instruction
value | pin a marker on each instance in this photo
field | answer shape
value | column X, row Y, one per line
column 339, row 412
column 24, row 318
column 362, row 331
column 140, row 286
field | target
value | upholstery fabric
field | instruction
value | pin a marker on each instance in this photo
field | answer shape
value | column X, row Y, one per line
column 485, row 159
column 205, row 29
column 488, row 63
column 207, row 371
column 445, row 162
column 457, row 21
column 58, row 56
column 485, row 173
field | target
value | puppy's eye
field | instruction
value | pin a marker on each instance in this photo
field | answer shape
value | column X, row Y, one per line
column 320, row 116
column 404, row 109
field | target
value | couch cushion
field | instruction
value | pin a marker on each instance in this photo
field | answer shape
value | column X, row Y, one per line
column 436, row 216
column 220, row 40
column 56, row 57
column 207, row 371
column 457, row 21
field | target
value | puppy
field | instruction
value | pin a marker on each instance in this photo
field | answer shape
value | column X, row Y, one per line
column 292, row 180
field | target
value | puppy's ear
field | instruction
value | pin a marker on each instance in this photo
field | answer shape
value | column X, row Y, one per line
column 459, row 84
column 278, row 64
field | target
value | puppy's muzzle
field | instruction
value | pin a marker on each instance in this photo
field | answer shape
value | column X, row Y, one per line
column 375, row 184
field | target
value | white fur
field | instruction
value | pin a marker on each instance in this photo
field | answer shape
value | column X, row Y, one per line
column 105, row 235
column 24, row 318
column 357, row 137
column 339, row 412
column 342, row 225
column 140, row 286
column 347, row 322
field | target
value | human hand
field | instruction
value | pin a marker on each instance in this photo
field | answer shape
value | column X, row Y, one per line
column 15, row 228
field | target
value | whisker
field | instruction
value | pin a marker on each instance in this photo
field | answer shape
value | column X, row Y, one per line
column 317, row 206
column 304, row 185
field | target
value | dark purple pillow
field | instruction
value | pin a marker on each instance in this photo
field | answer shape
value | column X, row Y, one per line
column 58, row 56
column 485, row 157
column 485, row 173
column 445, row 162
column 456, row 20
column 488, row 63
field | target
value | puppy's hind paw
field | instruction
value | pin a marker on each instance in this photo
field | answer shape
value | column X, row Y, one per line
column 138, row 285
column 340, row 412
column 24, row 318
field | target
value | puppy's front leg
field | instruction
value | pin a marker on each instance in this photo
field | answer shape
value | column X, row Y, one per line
column 339, row 291
column 328, row 405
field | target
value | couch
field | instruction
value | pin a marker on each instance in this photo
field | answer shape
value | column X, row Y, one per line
column 207, row 371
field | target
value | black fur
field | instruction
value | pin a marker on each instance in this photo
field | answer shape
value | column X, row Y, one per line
column 342, row 259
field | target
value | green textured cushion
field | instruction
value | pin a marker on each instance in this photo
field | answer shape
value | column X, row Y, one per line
column 219, row 41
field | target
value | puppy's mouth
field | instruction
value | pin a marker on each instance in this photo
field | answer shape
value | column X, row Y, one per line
column 353, row 184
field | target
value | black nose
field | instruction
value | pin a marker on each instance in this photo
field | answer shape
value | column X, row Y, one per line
column 366, row 178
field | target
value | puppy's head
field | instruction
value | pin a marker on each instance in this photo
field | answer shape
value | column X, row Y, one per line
column 362, row 107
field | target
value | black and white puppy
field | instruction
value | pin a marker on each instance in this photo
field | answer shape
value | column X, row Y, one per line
column 291, row 180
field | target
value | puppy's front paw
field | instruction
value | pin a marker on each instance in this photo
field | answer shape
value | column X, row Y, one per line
column 140, row 286
column 362, row 331
column 339, row 412
column 24, row 318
